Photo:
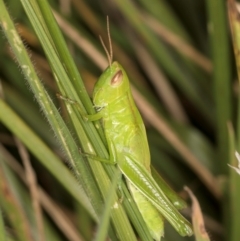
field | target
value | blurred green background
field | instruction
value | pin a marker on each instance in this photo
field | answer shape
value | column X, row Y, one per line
column 180, row 61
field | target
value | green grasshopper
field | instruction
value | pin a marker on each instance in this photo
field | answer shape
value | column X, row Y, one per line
column 128, row 148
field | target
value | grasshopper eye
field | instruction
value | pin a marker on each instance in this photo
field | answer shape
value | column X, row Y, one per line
column 117, row 78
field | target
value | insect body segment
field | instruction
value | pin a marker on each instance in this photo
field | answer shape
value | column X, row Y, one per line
column 151, row 215
column 128, row 148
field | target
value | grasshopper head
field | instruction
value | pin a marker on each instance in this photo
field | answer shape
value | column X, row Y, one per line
column 112, row 84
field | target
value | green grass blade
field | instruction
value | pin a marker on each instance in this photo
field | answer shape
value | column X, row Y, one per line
column 101, row 234
column 3, row 235
column 221, row 79
column 234, row 139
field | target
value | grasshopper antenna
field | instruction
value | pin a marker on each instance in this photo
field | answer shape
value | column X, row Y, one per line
column 110, row 52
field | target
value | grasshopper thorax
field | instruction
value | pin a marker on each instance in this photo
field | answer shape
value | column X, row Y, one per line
column 112, row 84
